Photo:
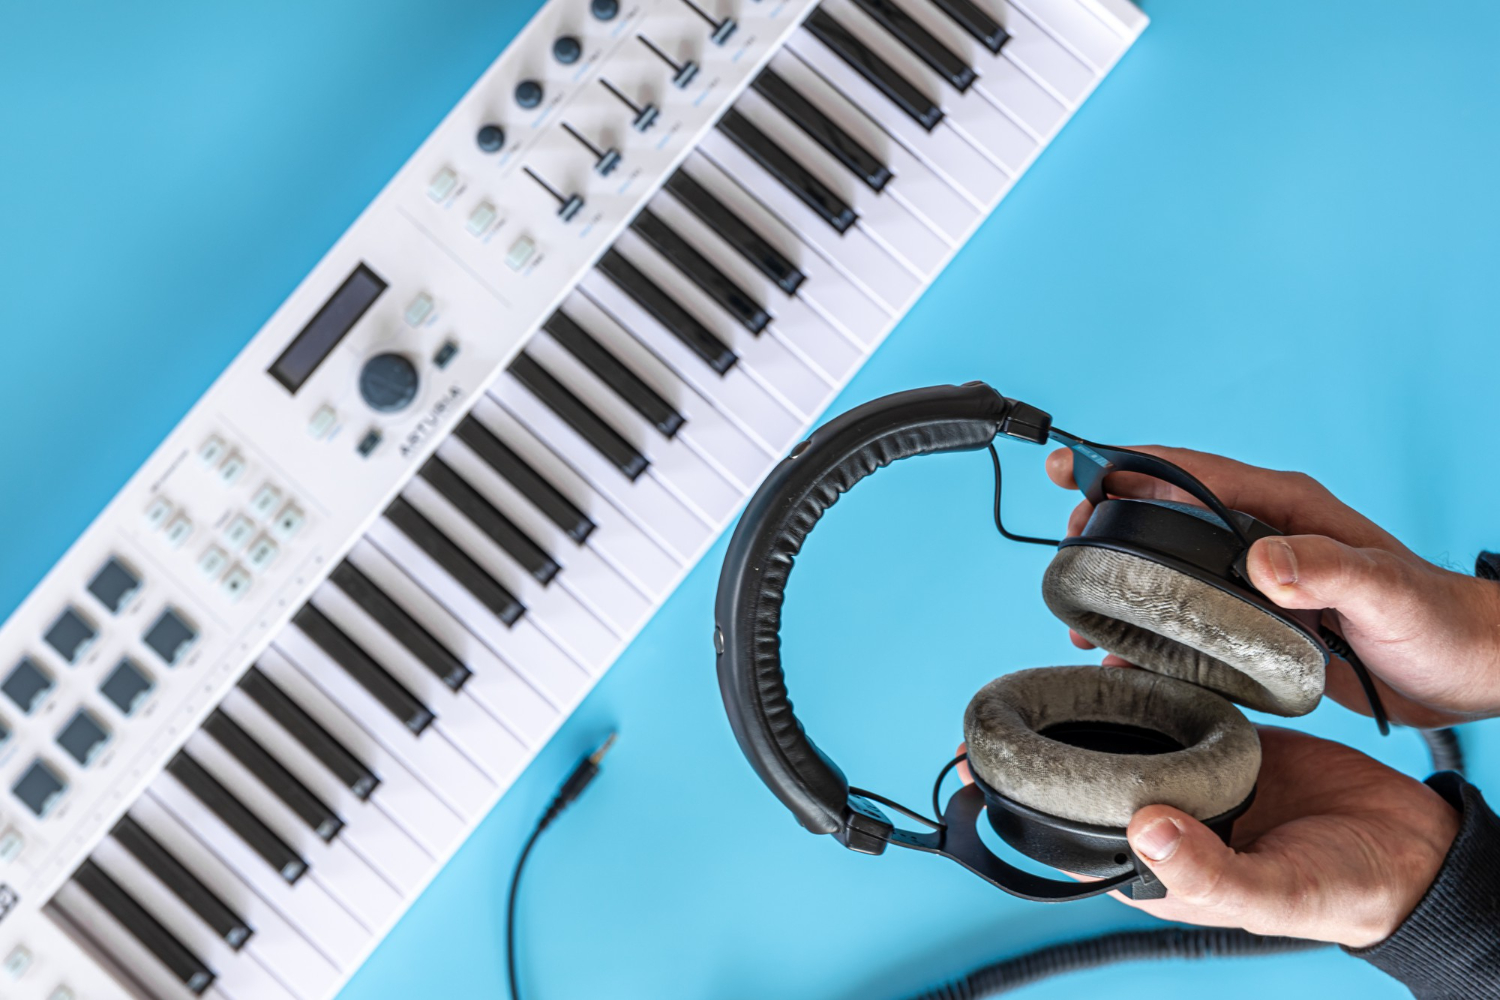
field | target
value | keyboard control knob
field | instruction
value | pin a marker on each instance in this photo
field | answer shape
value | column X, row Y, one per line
column 604, row 10
column 567, row 49
column 388, row 383
column 528, row 93
column 490, row 138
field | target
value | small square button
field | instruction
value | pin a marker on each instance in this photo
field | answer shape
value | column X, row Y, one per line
column 27, row 685
column 179, row 531
column 158, row 513
column 212, row 562
column 232, row 469
column 442, row 184
column 445, row 354
column 239, row 533
column 213, row 449
column 369, row 443
column 39, row 788
column 114, row 585
column 288, row 522
column 17, row 962
column 62, row 993
column 419, row 310
column 11, row 845
column 265, row 501
column 322, row 422
column 481, row 218
column 83, row 737
column 236, row 584
column 126, row 687
column 520, row 253
column 262, row 553
column 71, row 635
column 171, row 637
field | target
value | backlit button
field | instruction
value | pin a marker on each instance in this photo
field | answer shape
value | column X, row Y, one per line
column 157, row 513
column 262, row 553
column 179, row 531
column 481, row 218
column 62, row 993
column 419, row 310
column 265, row 501
column 213, row 449
column 443, row 183
column 236, row 584
column 232, row 469
column 213, row 562
column 17, row 962
column 11, row 843
column 322, row 422
column 39, row 788
column 289, row 522
column 239, row 533
column 520, row 252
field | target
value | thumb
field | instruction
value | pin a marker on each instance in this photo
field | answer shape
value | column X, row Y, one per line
column 1313, row 571
column 1189, row 858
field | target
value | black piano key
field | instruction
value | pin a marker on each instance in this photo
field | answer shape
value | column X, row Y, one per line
column 501, row 529
column 319, row 742
column 458, row 564
column 824, row 130
column 612, row 372
column 261, row 838
column 184, row 884
column 881, row 75
column 779, row 164
column 283, row 784
column 577, row 415
column 408, row 631
column 701, row 271
column 370, row 675
column 533, row 486
column 750, row 244
column 939, row 58
column 968, row 16
column 678, row 321
column 135, row 918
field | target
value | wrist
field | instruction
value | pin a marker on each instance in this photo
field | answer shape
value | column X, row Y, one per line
column 1410, row 864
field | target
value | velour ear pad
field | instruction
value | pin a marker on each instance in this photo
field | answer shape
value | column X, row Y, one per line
column 1007, row 721
column 1166, row 621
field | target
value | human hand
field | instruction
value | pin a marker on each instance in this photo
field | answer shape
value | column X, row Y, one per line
column 1430, row 636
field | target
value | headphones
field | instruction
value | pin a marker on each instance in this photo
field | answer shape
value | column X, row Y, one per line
column 1061, row 757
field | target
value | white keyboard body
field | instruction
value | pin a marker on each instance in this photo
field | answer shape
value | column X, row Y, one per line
column 236, row 522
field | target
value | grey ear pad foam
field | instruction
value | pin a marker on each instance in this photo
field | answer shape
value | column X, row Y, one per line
column 1213, row 773
column 1166, row 621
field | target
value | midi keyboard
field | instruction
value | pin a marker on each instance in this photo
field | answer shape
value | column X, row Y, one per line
column 302, row 653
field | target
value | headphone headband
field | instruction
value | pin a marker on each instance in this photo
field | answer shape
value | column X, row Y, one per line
column 771, row 532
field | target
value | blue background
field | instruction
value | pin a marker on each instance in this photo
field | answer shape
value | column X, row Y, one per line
column 1271, row 233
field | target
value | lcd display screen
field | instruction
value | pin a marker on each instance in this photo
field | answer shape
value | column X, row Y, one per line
column 322, row 334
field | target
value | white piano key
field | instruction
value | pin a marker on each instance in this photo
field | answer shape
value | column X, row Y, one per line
column 767, row 360
column 1000, row 80
column 616, row 537
column 239, row 975
column 466, row 724
column 865, row 262
column 983, row 124
column 541, row 661
column 888, row 219
column 737, row 393
column 275, row 942
column 1037, row 52
column 713, row 435
column 1079, row 29
column 943, row 150
column 494, row 683
column 436, row 761
column 371, row 833
column 677, row 466
column 914, row 184
column 348, row 878
column 131, row 957
column 667, row 518
column 826, row 288
column 402, row 793
column 330, row 927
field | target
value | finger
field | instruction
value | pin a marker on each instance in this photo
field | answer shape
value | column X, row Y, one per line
column 1371, row 589
column 1060, row 468
column 963, row 765
column 1117, row 661
column 1199, row 869
column 1079, row 640
column 1079, row 518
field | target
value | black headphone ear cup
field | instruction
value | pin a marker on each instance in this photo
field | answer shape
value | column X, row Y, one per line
column 1068, row 741
column 1176, row 624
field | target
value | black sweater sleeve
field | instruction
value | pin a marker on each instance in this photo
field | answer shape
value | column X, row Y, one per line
column 1449, row 947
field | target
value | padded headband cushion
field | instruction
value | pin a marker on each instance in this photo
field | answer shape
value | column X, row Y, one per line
column 1214, row 772
column 1164, row 620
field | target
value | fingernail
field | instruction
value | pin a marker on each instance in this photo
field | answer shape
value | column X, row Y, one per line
column 1157, row 841
column 1283, row 561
